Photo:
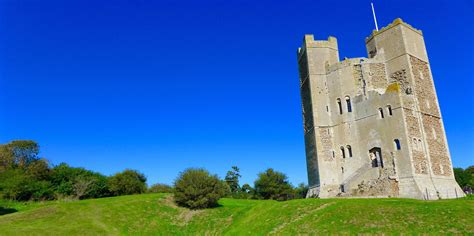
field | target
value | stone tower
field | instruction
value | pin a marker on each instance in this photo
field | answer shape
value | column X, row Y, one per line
column 373, row 126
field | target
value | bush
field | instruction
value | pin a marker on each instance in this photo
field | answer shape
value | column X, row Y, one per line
column 196, row 188
column 15, row 184
column 273, row 185
column 78, row 183
column 160, row 188
column 127, row 182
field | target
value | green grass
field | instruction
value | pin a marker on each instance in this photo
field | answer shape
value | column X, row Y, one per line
column 156, row 214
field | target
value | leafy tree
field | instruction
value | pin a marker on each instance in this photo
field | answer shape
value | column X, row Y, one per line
column 78, row 183
column 232, row 179
column 196, row 188
column 15, row 184
column 462, row 177
column 18, row 154
column 160, row 188
column 273, row 185
column 301, row 191
column 127, row 182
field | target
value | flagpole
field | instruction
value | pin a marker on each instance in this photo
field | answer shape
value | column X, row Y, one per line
column 375, row 18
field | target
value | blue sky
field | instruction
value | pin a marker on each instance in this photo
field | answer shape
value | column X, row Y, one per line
column 159, row 86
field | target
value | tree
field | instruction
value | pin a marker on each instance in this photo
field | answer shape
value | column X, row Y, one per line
column 18, row 154
column 301, row 190
column 196, row 188
column 462, row 176
column 15, row 184
column 160, row 188
column 78, row 183
column 127, row 182
column 273, row 185
column 232, row 179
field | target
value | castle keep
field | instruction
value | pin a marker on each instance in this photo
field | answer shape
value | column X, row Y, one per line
column 373, row 126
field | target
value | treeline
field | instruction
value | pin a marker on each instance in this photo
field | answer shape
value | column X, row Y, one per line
column 25, row 176
column 465, row 178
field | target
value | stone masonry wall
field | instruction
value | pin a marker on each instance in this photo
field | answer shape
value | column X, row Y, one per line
column 420, row 162
column 431, row 120
column 440, row 163
column 325, row 138
column 424, row 87
column 377, row 76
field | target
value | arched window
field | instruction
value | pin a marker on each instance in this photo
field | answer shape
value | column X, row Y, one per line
column 340, row 105
column 343, row 153
column 389, row 108
column 397, row 144
column 349, row 150
column 349, row 105
column 381, row 113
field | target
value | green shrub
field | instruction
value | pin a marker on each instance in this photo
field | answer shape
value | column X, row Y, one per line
column 160, row 188
column 78, row 183
column 127, row 182
column 273, row 185
column 15, row 184
column 196, row 188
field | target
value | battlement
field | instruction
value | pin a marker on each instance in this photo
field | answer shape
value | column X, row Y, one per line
column 394, row 23
column 309, row 42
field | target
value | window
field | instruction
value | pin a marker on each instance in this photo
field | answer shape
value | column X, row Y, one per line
column 389, row 108
column 333, row 154
column 340, row 105
column 397, row 144
column 342, row 169
column 327, row 108
column 349, row 150
column 349, row 105
column 343, row 153
column 381, row 113
column 375, row 155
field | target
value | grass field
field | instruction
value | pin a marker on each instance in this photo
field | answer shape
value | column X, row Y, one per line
column 156, row 214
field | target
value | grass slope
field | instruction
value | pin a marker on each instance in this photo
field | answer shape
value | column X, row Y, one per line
column 156, row 214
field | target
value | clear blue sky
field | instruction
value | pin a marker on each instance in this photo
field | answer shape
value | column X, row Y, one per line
column 159, row 86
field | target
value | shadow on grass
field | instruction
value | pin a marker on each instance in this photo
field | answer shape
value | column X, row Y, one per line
column 4, row 211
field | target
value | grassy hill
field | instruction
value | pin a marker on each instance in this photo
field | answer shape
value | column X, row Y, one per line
column 157, row 214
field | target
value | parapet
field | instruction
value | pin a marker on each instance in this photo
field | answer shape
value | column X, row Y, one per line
column 395, row 22
column 309, row 42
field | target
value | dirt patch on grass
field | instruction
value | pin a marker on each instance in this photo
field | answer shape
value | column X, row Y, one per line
column 185, row 215
column 299, row 217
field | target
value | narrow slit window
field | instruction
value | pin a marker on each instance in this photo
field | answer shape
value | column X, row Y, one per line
column 343, row 153
column 389, row 108
column 349, row 150
column 397, row 144
column 340, row 105
column 349, row 105
column 381, row 113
